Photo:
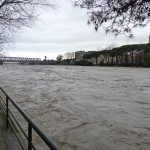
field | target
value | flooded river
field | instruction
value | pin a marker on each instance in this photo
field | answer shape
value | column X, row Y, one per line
column 84, row 108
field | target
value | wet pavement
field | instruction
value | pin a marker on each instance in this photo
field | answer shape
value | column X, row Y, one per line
column 8, row 140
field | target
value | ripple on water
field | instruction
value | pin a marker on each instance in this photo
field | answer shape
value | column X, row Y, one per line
column 84, row 108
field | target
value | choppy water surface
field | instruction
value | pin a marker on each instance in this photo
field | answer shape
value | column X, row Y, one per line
column 84, row 108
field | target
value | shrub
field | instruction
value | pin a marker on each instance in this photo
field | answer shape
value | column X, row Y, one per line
column 84, row 63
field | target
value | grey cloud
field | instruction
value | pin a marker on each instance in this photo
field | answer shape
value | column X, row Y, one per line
column 66, row 29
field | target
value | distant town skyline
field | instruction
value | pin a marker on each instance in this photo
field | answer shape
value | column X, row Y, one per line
column 66, row 30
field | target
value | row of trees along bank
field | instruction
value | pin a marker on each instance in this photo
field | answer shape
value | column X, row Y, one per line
column 127, row 55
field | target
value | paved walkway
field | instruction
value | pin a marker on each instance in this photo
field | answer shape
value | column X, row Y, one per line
column 8, row 140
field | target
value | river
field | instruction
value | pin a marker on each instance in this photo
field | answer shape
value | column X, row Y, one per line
column 84, row 108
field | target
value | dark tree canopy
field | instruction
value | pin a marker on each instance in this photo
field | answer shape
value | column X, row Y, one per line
column 59, row 58
column 117, row 16
column 15, row 14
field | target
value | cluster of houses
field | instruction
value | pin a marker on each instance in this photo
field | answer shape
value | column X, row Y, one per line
column 124, row 55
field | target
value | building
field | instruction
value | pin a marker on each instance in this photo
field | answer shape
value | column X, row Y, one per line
column 79, row 55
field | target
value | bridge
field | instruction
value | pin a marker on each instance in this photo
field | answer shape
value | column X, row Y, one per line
column 18, row 59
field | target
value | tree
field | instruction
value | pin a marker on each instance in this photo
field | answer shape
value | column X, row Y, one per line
column 95, row 55
column 87, row 56
column 59, row 58
column 117, row 16
column 69, row 55
column 15, row 14
column 2, row 54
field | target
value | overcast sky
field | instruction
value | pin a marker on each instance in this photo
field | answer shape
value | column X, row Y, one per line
column 66, row 30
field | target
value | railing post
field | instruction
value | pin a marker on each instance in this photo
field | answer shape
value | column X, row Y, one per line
column 29, row 136
column 7, row 115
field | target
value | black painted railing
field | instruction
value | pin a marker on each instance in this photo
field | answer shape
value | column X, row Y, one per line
column 5, row 101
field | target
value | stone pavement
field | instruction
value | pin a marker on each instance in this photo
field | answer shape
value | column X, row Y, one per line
column 8, row 140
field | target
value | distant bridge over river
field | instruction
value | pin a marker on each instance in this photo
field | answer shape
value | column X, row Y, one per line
column 18, row 59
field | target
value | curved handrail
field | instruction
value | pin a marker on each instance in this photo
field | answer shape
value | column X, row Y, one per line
column 31, row 124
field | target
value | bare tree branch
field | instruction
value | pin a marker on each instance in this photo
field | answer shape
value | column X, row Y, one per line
column 15, row 14
column 117, row 16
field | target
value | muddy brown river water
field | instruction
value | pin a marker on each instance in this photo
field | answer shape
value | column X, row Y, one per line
column 84, row 108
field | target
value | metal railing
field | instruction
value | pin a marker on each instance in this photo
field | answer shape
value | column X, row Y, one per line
column 4, row 104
